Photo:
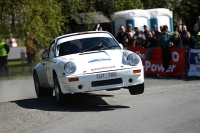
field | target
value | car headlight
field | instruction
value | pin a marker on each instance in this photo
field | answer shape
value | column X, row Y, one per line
column 133, row 60
column 70, row 67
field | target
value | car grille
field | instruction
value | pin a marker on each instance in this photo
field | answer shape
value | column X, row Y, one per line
column 106, row 82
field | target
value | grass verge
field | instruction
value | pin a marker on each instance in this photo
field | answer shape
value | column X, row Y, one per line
column 18, row 70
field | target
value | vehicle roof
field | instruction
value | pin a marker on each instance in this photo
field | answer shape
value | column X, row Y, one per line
column 78, row 33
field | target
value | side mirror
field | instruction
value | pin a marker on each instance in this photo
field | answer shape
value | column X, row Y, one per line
column 121, row 45
column 44, row 56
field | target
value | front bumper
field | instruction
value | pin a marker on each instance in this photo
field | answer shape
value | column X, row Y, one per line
column 101, row 81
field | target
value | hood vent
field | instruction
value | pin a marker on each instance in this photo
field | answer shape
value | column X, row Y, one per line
column 91, row 52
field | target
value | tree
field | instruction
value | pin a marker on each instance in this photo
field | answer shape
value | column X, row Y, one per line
column 5, row 13
column 43, row 19
column 169, row 4
column 108, row 7
column 188, row 11
column 40, row 18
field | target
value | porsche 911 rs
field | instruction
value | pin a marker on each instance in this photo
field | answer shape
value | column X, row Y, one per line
column 85, row 62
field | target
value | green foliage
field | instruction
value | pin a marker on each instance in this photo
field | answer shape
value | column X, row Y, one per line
column 42, row 19
column 108, row 7
column 119, row 5
column 186, row 6
column 169, row 4
column 188, row 11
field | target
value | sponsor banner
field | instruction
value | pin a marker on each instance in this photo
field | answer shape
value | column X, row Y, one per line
column 194, row 62
column 154, row 66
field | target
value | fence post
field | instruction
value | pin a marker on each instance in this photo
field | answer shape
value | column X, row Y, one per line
column 22, row 55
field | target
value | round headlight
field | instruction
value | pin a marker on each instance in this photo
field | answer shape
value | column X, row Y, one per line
column 133, row 60
column 70, row 67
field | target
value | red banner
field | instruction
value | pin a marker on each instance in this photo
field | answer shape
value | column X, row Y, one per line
column 154, row 66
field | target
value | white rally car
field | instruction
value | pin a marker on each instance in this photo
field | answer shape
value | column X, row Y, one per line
column 85, row 62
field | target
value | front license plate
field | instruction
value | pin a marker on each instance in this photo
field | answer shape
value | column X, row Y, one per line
column 106, row 75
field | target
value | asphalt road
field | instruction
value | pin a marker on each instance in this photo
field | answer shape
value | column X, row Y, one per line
column 168, row 105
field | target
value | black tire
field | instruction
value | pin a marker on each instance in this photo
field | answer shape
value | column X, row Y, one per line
column 41, row 92
column 136, row 89
column 60, row 97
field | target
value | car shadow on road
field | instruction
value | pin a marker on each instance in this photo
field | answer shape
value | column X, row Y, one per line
column 78, row 103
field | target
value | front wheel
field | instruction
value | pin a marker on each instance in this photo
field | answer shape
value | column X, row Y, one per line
column 60, row 97
column 136, row 89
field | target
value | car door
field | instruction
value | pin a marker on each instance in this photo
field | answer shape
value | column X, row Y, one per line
column 50, row 64
column 42, row 73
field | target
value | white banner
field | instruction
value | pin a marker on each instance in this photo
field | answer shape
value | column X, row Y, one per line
column 194, row 62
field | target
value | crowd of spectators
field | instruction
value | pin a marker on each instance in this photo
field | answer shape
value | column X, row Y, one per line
column 153, row 38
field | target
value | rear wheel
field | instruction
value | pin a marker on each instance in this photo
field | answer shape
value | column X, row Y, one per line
column 136, row 89
column 41, row 92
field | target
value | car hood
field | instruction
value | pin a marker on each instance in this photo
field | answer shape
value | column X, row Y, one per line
column 96, row 61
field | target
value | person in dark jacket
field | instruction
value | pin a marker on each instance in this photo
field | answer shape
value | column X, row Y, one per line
column 178, row 25
column 146, row 30
column 155, row 31
column 151, row 43
column 121, row 35
column 4, row 50
column 176, row 41
column 164, row 41
column 139, row 41
column 151, row 40
column 138, row 31
column 189, row 41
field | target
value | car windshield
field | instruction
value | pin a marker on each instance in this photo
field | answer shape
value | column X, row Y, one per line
column 87, row 44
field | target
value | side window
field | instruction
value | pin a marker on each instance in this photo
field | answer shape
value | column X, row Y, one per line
column 57, row 50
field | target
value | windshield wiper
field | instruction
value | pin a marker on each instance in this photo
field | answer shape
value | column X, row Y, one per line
column 110, row 46
column 93, row 48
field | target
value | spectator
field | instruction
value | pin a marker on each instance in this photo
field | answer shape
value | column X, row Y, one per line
column 161, row 28
column 164, row 40
column 196, row 27
column 146, row 31
column 138, row 31
column 176, row 41
column 4, row 50
column 139, row 41
column 155, row 31
column 189, row 41
column 180, row 29
column 121, row 35
column 130, row 41
column 100, row 28
column 197, row 43
column 130, row 29
column 31, row 47
column 179, row 23
column 151, row 40
column 184, row 30
column 151, row 43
